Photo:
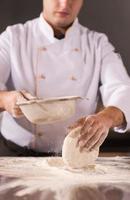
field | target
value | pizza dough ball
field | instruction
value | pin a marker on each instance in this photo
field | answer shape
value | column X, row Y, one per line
column 71, row 154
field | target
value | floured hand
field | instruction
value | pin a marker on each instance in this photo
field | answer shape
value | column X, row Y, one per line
column 9, row 99
column 95, row 127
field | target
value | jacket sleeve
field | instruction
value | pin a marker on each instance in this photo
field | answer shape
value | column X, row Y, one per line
column 5, row 41
column 115, row 82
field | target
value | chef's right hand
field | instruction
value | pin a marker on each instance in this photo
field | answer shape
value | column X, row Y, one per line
column 9, row 99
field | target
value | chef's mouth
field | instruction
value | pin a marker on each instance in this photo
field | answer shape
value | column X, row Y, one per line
column 62, row 13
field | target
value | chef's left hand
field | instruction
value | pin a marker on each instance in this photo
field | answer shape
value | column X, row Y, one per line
column 95, row 128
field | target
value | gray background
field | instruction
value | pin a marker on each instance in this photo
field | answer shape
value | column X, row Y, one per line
column 108, row 16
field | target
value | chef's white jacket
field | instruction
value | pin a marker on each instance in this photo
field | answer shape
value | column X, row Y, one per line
column 82, row 64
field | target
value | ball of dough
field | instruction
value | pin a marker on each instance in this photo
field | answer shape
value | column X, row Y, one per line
column 71, row 154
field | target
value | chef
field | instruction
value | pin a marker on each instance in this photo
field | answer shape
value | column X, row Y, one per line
column 51, row 56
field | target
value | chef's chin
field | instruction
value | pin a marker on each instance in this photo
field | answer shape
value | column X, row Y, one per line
column 63, row 23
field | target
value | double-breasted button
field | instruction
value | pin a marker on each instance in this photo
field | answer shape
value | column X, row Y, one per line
column 76, row 49
column 73, row 78
column 41, row 77
column 40, row 134
column 42, row 49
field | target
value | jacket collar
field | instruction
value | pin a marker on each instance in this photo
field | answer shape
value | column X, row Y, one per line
column 47, row 30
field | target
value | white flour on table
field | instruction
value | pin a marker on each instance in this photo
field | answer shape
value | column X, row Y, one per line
column 51, row 173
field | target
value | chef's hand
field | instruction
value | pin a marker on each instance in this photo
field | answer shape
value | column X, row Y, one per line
column 9, row 99
column 95, row 127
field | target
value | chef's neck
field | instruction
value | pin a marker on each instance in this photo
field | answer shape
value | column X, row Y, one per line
column 59, row 32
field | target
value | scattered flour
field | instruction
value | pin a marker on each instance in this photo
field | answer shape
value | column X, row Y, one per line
column 51, row 174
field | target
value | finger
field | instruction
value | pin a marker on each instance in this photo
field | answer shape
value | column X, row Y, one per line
column 100, row 141
column 27, row 95
column 17, row 112
column 94, row 140
column 20, row 98
column 78, row 123
column 75, row 132
column 87, row 124
column 92, row 130
column 85, row 136
column 16, row 108
column 88, row 144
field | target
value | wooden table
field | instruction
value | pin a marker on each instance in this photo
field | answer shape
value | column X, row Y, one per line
column 48, row 179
